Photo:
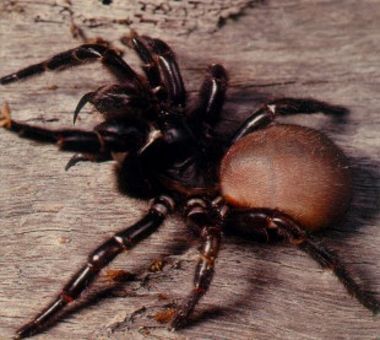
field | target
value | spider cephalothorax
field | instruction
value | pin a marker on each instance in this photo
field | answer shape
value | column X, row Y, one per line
column 271, row 181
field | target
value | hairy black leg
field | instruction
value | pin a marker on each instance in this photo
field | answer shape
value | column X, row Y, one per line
column 107, row 137
column 284, row 106
column 209, row 224
column 171, row 75
column 288, row 229
column 211, row 98
column 77, row 56
column 98, row 259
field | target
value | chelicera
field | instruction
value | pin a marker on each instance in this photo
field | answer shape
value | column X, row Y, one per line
column 272, row 181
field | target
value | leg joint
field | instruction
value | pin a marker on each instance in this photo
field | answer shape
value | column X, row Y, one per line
column 163, row 205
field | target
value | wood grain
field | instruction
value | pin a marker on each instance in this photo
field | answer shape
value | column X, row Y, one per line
column 51, row 219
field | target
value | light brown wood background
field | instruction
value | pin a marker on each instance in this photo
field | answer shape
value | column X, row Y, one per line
column 50, row 219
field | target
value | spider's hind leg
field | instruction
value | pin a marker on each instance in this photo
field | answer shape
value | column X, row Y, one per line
column 326, row 259
column 284, row 228
column 289, row 106
column 284, row 106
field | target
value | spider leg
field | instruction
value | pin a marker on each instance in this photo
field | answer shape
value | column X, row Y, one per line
column 107, row 137
column 204, row 273
column 327, row 259
column 98, row 259
column 289, row 106
column 284, row 106
column 150, row 67
column 78, row 56
column 171, row 75
column 160, row 67
column 281, row 226
column 210, row 233
column 252, row 225
column 211, row 98
column 66, row 139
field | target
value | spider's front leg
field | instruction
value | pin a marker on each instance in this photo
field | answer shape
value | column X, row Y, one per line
column 78, row 56
column 207, row 112
column 209, row 225
column 284, row 106
column 98, row 259
column 150, row 67
column 161, row 68
column 107, row 137
column 172, row 77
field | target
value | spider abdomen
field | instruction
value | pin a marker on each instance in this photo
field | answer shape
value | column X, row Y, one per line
column 290, row 168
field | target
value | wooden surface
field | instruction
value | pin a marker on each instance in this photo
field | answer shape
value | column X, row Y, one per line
column 50, row 219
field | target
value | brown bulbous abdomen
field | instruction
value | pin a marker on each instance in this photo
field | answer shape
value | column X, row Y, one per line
column 289, row 168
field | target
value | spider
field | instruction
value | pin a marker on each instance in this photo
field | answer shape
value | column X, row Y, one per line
column 269, row 180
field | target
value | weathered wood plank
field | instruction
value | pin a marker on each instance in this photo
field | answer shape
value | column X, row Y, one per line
column 51, row 219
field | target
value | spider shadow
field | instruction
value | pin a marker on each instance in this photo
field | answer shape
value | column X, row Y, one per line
column 365, row 206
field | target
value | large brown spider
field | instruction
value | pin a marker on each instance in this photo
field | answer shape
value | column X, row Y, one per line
column 271, row 181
